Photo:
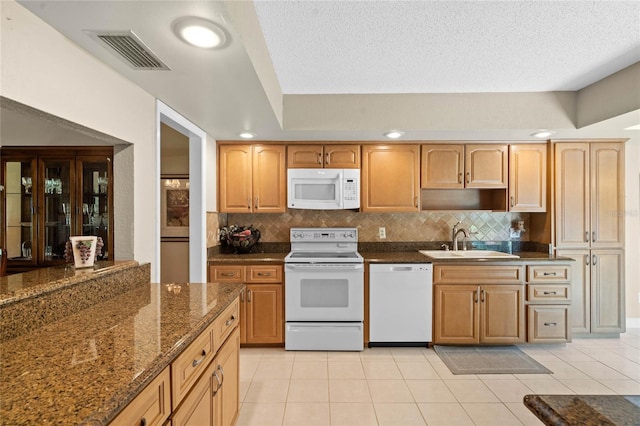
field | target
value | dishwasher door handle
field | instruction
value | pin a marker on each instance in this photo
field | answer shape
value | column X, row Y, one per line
column 401, row 268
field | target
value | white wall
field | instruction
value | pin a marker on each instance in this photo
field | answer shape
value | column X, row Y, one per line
column 632, row 231
column 41, row 68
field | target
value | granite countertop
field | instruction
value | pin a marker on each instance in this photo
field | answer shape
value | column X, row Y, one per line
column 87, row 366
column 46, row 280
column 377, row 253
column 585, row 410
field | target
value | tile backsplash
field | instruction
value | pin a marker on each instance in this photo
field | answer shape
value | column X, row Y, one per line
column 400, row 227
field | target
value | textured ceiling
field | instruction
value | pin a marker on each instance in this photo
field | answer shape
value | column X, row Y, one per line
column 333, row 47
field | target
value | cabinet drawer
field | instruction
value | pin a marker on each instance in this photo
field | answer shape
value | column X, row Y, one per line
column 228, row 273
column 190, row 364
column 151, row 407
column 547, row 324
column 225, row 323
column 548, row 273
column 451, row 274
column 557, row 293
column 264, row 274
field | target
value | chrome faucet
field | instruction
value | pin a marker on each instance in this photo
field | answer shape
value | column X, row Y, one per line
column 456, row 231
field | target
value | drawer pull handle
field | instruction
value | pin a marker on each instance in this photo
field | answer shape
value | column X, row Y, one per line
column 143, row 422
column 546, row 274
column 319, row 158
column 264, row 274
column 550, row 324
column 328, row 159
column 468, row 177
column 482, row 296
column 197, row 362
column 230, row 321
column 221, row 373
column 586, row 236
column 593, row 237
column 513, row 202
column 550, row 292
column 475, row 296
column 459, row 177
column 248, row 295
column 227, row 274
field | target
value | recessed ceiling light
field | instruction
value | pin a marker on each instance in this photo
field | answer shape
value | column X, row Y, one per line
column 247, row 135
column 394, row 134
column 200, row 32
column 544, row 133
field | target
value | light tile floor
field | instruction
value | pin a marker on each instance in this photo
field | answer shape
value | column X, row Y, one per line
column 411, row 386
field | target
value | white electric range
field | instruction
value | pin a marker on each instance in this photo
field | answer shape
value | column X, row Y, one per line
column 324, row 290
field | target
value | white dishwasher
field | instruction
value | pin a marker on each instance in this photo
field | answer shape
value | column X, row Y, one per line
column 400, row 304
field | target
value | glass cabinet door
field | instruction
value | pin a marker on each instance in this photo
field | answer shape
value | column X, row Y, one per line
column 19, row 178
column 96, row 214
column 57, row 208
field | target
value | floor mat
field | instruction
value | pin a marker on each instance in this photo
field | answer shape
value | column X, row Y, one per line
column 488, row 360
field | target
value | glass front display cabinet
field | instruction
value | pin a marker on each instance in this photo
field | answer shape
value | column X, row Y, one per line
column 50, row 194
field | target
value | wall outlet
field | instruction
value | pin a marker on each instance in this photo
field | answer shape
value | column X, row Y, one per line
column 382, row 233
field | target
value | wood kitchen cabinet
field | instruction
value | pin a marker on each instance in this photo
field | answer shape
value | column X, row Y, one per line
column 261, row 305
column 390, row 178
column 51, row 194
column 589, row 227
column 548, row 302
column 528, row 178
column 459, row 166
column 467, row 310
column 252, row 178
column 319, row 156
column 151, row 407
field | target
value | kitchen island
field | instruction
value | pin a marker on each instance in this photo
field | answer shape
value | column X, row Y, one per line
column 86, row 365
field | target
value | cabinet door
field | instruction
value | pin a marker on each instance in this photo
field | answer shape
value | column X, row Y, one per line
column 548, row 323
column 18, row 203
column 197, row 408
column 390, row 178
column 572, row 196
column 442, row 166
column 304, row 157
column 57, row 207
column 528, row 178
column 580, row 313
column 342, row 156
column 607, row 291
column 269, row 179
column 227, row 395
column 264, row 313
column 607, row 191
column 486, row 166
column 502, row 314
column 94, row 185
column 456, row 314
column 234, row 178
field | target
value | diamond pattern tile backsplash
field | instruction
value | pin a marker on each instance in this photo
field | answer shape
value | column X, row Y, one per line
column 400, row 227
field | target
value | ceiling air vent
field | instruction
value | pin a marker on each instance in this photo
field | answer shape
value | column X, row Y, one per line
column 131, row 49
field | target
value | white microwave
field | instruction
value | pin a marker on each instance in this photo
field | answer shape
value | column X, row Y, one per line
column 323, row 189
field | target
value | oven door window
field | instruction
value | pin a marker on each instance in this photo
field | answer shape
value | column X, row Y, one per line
column 323, row 293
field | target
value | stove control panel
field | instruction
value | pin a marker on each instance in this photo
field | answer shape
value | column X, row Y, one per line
column 324, row 234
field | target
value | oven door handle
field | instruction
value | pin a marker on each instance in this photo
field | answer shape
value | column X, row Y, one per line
column 324, row 267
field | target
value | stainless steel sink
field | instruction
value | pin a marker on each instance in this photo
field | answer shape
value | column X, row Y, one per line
column 467, row 254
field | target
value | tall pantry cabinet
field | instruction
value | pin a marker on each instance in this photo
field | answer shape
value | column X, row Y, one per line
column 589, row 227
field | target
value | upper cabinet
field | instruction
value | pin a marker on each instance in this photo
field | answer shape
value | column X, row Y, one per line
column 319, row 156
column 464, row 166
column 589, row 195
column 252, row 179
column 528, row 178
column 390, row 178
column 51, row 194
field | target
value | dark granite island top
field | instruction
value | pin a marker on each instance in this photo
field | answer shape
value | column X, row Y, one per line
column 585, row 410
column 86, row 366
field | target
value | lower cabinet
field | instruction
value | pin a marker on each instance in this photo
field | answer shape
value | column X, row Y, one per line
column 597, row 291
column 261, row 305
column 202, row 385
column 263, row 314
column 548, row 303
column 472, row 314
